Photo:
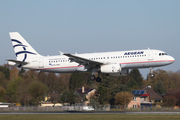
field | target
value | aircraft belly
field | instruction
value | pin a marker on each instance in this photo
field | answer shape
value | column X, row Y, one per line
column 65, row 69
column 60, row 70
column 145, row 64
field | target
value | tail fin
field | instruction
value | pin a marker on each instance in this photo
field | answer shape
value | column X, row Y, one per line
column 22, row 48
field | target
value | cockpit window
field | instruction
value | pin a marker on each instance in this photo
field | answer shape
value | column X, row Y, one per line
column 162, row 54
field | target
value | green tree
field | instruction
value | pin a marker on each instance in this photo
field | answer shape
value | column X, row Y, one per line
column 71, row 97
column 2, row 94
column 132, row 84
column 11, row 91
column 3, row 80
column 161, row 75
column 159, row 88
column 136, row 76
column 37, row 89
column 116, row 89
column 5, row 71
column 76, row 81
column 68, row 97
column 94, row 101
column 103, row 94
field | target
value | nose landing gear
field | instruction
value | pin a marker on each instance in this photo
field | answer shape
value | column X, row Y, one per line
column 151, row 71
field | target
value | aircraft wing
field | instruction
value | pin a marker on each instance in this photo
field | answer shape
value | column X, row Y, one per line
column 83, row 61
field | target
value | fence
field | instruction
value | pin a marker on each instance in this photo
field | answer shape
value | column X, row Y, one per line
column 61, row 108
column 80, row 108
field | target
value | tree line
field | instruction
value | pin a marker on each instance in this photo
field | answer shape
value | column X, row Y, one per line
column 29, row 87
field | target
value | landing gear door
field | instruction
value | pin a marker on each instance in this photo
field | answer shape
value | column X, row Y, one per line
column 41, row 63
column 150, row 54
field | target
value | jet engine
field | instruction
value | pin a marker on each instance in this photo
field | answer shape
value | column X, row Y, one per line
column 114, row 70
column 110, row 68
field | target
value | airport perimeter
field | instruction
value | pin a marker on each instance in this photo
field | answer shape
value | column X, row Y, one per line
column 64, row 112
column 89, row 117
column 80, row 108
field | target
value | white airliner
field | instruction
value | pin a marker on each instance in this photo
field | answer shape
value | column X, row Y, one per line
column 111, row 63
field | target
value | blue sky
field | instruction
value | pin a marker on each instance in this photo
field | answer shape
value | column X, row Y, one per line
column 92, row 26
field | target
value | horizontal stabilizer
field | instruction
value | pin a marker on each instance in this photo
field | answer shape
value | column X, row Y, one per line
column 17, row 61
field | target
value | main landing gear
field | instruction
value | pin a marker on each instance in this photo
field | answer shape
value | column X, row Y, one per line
column 92, row 77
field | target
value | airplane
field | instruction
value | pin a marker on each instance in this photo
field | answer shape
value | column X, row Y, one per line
column 115, row 63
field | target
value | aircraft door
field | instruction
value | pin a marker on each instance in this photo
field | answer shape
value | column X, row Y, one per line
column 150, row 54
column 41, row 63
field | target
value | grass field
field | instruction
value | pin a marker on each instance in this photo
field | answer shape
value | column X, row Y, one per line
column 89, row 117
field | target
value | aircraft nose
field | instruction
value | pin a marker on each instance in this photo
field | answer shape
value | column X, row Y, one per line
column 172, row 59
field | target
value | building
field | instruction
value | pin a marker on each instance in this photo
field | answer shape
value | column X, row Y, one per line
column 87, row 92
column 140, row 99
column 145, row 98
column 6, row 104
column 50, row 104
column 154, row 97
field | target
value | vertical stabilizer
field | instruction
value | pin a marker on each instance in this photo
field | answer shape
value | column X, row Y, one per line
column 22, row 49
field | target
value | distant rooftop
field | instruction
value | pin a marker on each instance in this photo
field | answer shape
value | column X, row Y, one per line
column 139, row 92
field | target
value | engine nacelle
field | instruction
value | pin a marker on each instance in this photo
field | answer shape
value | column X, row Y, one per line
column 110, row 68
column 124, row 72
